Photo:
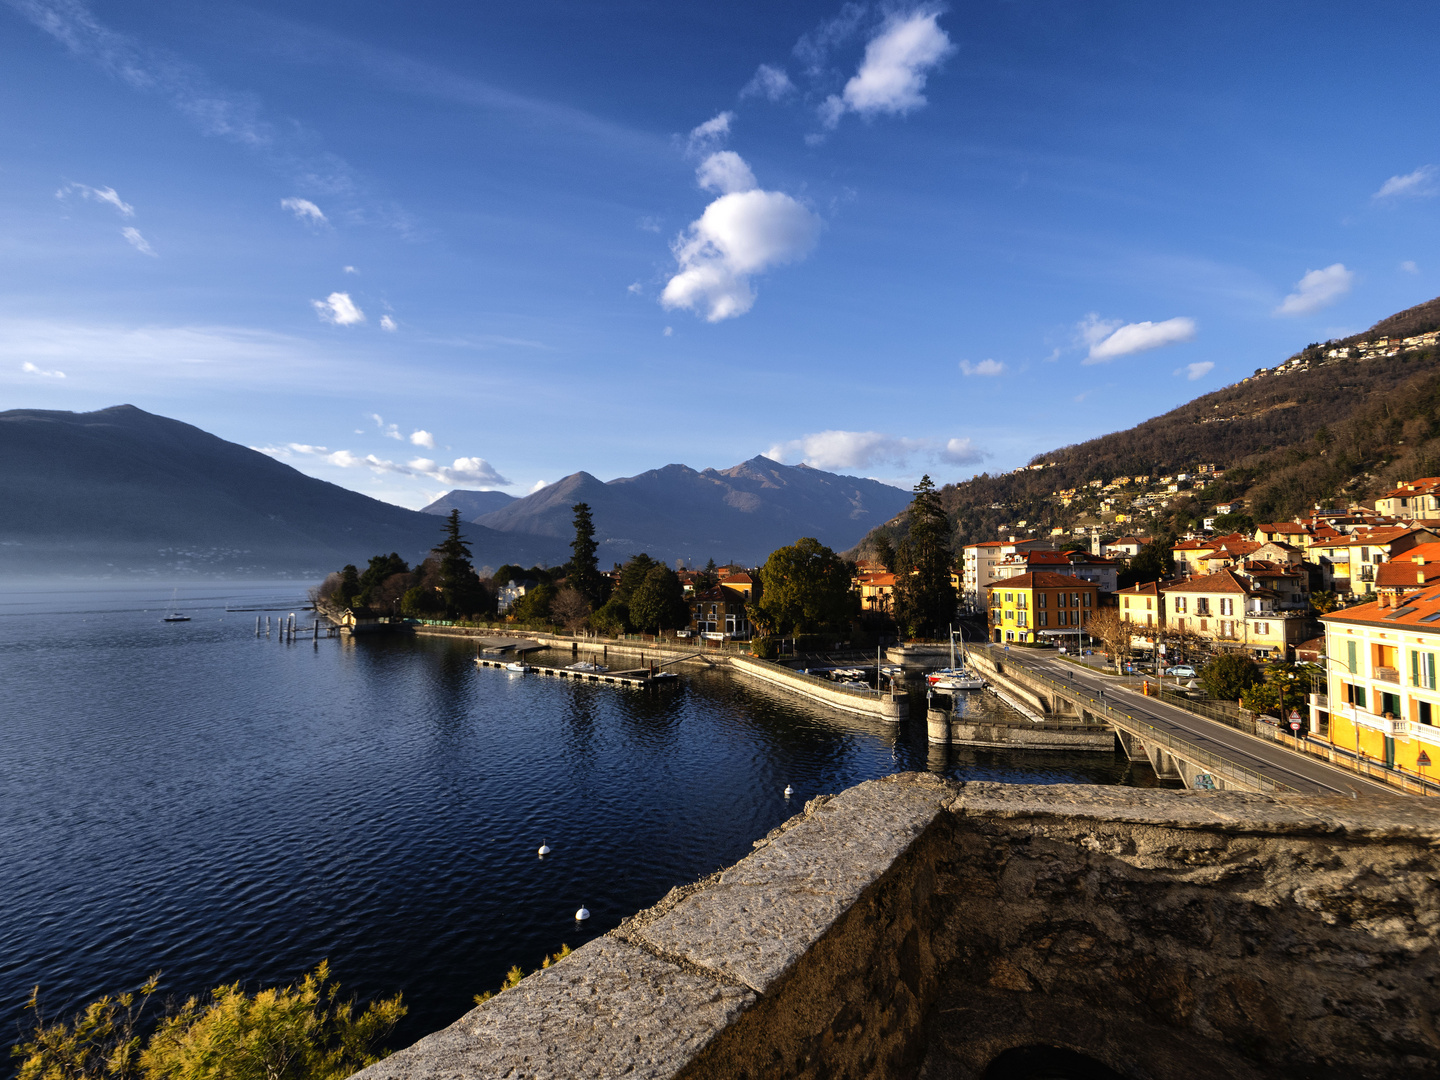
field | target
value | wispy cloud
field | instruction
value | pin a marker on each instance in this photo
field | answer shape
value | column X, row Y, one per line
column 1317, row 289
column 464, row 470
column 832, row 450
column 1110, row 339
column 814, row 48
column 390, row 431
column 770, row 83
column 725, row 171
column 100, row 195
column 306, row 211
column 891, row 78
column 388, row 324
column 706, row 137
column 339, row 309
column 984, row 367
column 135, row 240
column 31, row 369
column 1410, row 266
column 1197, row 370
column 1417, row 184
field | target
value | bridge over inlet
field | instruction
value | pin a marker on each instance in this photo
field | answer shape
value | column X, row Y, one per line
column 1178, row 744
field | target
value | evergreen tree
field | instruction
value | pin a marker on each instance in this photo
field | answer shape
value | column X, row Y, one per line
column 709, row 577
column 925, row 597
column 883, row 551
column 349, row 586
column 659, row 601
column 458, row 583
column 582, row 572
column 805, row 587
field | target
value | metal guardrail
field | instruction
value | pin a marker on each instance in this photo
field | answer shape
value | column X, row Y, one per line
column 1180, row 747
column 868, row 694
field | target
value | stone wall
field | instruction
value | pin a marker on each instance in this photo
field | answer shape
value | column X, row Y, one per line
column 815, row 688
column 913, row 927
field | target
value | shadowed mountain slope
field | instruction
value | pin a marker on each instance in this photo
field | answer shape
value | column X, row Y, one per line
column 741, row 513
column 121, row 491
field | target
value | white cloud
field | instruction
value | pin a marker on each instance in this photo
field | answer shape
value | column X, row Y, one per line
column 306, row 211
column 1198, row 370
column 725, row 172
column 668, row 331
column 832, row 450
column 891, row 78
column 31, row 369
column 984, row 367
column 711, row 133
column 135, row 240
column 1317, row 289
column 1410, row 266
column 349, row 270
column 538, row 485
column 648, row 223
column 464, row 470
column 339, row 309
column 962, row 452
column 1419, row 183
column 101, row 195
column 813, row 49
column 634, row 288
column 387, row 323
column 739, row 235
column 423, row 438
column 1132, row 337
column 770, row 82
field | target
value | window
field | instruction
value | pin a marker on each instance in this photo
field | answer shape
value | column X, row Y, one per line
column 1390, row 703
column 1009, row 615
column 1009, row 598
column 1202, row 605
column 1351, row 656
column 1020, row 618
column 1355, row 695
column 1040, row 602
column 1426, row 715
column 1422, row 669
column 1062, row 598
column 1149, row 604
column 1087, row 599
column 1179, row 605
column 1227, row 606
column 1044, row 617
column 1020, row 601
column 1262, row 629
column 1075, row 599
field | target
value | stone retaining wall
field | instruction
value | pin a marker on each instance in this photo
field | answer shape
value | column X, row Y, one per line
column 817, row 689
column 912, row 927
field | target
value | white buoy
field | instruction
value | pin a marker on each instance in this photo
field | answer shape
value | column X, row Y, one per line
column 582, row 914
column 789, row 791
column 544, row 849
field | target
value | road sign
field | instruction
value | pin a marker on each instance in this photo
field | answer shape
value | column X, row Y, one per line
column 1294, row 719
column 1423, row 759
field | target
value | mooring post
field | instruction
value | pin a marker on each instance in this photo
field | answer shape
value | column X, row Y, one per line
column 257, row 625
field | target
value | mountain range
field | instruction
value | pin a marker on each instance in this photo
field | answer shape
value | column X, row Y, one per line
column 122, row 492
column 740, row 514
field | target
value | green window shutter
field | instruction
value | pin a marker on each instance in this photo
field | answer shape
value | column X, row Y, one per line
column 1430, row 670
column 1414, row 668
column 1350, row 656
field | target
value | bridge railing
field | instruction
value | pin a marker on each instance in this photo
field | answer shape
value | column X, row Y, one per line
column 1183, row 748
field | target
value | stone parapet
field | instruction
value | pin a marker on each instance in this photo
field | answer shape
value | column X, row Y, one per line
column 916, row 927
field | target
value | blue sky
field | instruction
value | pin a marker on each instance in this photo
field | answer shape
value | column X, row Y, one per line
column 413, row 247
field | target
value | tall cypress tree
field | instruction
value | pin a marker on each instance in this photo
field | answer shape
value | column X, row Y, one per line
column 459, row 584
column 582, row 572
column 925, row 595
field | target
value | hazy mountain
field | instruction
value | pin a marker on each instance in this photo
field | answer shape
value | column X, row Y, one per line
column 741, row 514
column 471, row 504
column 121, row 491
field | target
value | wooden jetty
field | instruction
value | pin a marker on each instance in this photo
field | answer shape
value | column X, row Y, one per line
column 635, row 677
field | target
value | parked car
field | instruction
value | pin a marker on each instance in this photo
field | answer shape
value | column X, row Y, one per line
column 1181, row 671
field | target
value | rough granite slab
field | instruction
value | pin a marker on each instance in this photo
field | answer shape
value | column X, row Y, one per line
column 608, row 1009
column 1376, row 816
column 754, row 920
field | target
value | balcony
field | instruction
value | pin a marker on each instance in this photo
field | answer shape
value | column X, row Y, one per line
column 1387, row 674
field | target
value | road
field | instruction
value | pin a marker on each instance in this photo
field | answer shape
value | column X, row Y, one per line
column 1301, row 772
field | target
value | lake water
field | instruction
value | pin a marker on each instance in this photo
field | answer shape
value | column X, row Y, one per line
column 189, row 798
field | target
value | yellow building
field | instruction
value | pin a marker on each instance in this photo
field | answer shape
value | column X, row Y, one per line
column 1382, row 698
column 1144, row 607
column 1040, row 606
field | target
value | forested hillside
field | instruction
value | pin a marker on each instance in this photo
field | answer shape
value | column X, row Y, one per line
column 1317, row 428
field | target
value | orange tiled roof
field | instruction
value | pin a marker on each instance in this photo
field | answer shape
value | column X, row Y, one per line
column 1426, row 485
column 1402, row 574
column 1220, row 581
column 1416, row 613
column 1042, row 579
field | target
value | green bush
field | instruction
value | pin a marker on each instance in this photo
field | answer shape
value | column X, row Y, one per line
column 1228, row 675
column 766, row 648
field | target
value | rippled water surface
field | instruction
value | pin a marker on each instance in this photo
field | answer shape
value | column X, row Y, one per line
column 189, row 798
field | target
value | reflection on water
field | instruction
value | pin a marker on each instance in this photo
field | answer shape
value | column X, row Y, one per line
column 192, row 798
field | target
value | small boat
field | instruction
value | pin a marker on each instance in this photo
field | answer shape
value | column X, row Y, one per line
column 585, row 665
column 954, row 677
column 175, row 616
column 516, row 665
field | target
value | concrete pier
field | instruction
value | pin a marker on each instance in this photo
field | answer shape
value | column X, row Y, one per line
column 888, row 707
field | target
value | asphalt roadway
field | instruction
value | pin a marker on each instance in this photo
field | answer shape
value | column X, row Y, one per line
column 1299, row 771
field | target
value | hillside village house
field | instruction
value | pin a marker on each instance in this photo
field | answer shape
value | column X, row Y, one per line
column 1191, row 556
column 1040, row 606
column 1413, row 500
column 980, row 560
column 1382, row 698
column 1415, row 569
column 1101, row 571
column 719, row 614
column 1143, row 606
column 1229, row 612
column 877, row 590
column 1124, row 547
column 739, row 580
column 1350, row 561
